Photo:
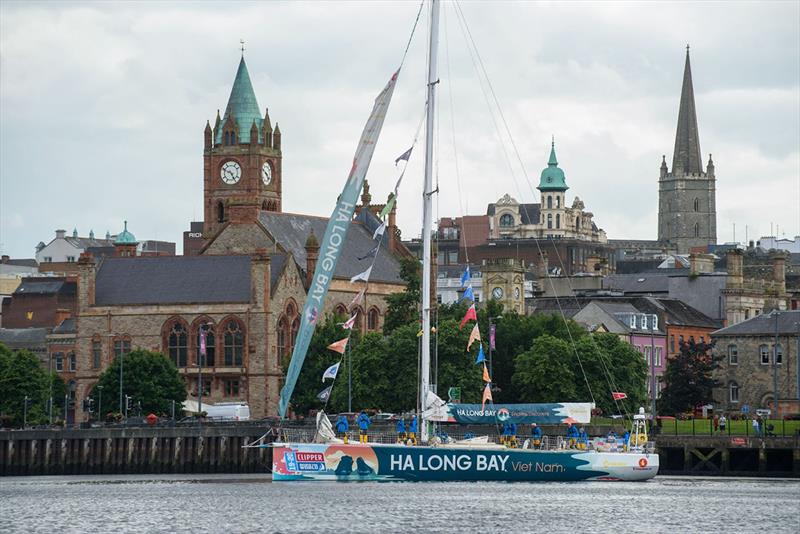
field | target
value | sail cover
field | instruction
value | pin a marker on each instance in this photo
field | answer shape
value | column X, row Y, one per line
column 547, row 414
column 334, row 238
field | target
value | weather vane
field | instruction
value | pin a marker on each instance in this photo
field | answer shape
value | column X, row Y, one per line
column 241, row 41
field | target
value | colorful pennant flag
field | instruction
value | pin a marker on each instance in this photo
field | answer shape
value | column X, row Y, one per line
column 325, row 394
column 404, row 156
column 474, row 336
column 487, row 395
column 617, row 395
column 471, row 314
column 362, row 276
column 331, row 372
column 371, row 254
column 379, row 230
column 468, row 294
column 492, row 333
column 465, row 277
column 388, row 207
column 202, row 341
column 358, row 298
column 486, row 377
column 481, row 356
column 339, row 346
column 348, row 324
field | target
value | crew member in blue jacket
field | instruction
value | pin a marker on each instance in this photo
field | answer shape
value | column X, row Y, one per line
column 572, row 435
column 583, row 439
column 626, row 439
column 342, row 426
column 401, row 430
column 512, row 434
column 536, row 434
column 412, row 430
column 363, row 426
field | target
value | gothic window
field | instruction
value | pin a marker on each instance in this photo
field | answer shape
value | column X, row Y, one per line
column 227, row 138
column 283, row 334
column 211, row 345
column 233, row 138
column 549, row 220
column 696, row 204
column 506, row 220
column 549, row 202
column 733, row 355
column 340, row 310
column 733, row 390
column 122, row 345
column 763, row 352
column 220, row 212
column 372, row 320
column 558, row 220
column 97, row 353
column 295, row 328
column 232, row 388
column 264, row 206
column 234, row 344
column 72, row 362
column 177, row 344
column 697, row 229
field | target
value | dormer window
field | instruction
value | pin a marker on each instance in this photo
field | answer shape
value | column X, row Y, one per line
column 644, row 322
column 654, row 319
column 632, row 321
column 506, row 220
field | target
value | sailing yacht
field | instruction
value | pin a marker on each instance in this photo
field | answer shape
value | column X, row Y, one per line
column 327, row 457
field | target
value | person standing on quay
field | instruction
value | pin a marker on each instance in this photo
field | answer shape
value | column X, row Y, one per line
column 722, row 423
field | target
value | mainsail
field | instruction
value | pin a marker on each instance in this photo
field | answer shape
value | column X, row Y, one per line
column 334, row 238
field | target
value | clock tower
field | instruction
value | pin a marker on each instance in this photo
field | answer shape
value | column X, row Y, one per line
column 241, row 159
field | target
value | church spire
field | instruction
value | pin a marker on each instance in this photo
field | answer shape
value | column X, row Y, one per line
column 242, row 105
column 686, row 158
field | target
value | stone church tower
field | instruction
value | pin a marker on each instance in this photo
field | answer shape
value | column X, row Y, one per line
column 687, row 213
column 241, row 160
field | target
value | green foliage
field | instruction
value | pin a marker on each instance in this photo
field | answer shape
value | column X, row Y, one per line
column 688, row 378
column 544, row 373
column 403, row 308
column 22, row 374
column 148, row 377
column 612, row 365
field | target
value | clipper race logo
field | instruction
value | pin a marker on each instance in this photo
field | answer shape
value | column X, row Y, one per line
column 304, row 461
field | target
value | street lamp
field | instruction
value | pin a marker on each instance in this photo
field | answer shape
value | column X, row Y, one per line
column 100, row 402
column 653, row 319
column 491, row 341
column 201, row 356
column 775, row 313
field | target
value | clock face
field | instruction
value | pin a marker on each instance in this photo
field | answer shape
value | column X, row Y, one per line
column 516, row 293
column 266, row 173
column 497, row 292
column 230, row 172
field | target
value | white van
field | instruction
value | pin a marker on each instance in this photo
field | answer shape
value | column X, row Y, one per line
column 228, row 411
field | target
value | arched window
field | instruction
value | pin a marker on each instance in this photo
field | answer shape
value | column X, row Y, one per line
column 177, row 346
column 340, row 310
column 295, row 328
column 696, row 204
column 549, row 220
column 558, row 201
column 373, row 319
column 220, row 212
column 558, row 220
column 211, row 345
column 227, row 138
column 506, row 220
column 264, row 206
column 763, row 352
column 779, row 354
column 549, row 202
column 733, row 355
column 283, row 336
column 122, row 345
column 234, row 344
column 697, row 229
column 577, row 224
column 733, row 390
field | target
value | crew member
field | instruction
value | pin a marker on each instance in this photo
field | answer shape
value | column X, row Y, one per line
column 412, row 430
column 341, row 427
column 626, row 440
column 512, row 435
column 536, row 434
column 401, row 430
column 363, row 426
column 583, row 439
column 572, row 435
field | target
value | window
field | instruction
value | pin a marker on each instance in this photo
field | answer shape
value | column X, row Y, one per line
column 220, row 212
column 211, row 345
column 373, row 319
column 452, row 257
column 48, row 259
column 206, row 381
column 439, row 298
column 577, row 224
column 296, row 327
column 696, row 204
column 177, row 345
column 283, row 332
column 558, row 202
column 746, row 314
column 680, row 341
column 234, row 344
column 672, row 343
column 644, row 322
column 733, row 390
column 97, row 353
column 779, row 355
column 549, row 220
column 702, row 339
column 231, row 388
column 549, row 202
column 558, row 219
column 70, row 259
column 121, row 346
column 632, row 321
column 658, row 357
column 59, row 359
column 691, row 339
column 763, row 351
column 647, row 355
column 654, row 320
column 72, row 362
column 697, row 229
column 733, row 355
column 506, row 220
column 340, row 310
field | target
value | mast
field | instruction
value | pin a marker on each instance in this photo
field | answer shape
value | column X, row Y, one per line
column 427, row 218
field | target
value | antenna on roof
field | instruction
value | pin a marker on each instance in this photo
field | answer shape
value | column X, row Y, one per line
column 241, row 42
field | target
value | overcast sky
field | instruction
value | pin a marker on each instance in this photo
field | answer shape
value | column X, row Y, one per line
column 103, row 105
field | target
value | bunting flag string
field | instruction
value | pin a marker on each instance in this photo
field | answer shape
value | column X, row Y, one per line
column 358, row 298
column 618, row 395
column 470, row 315
column 474, row 336
column 379, row 230
column 481, row 356
column 404, row 156
column 362, row 276
column 465, row 277
column 486, row 377
column 371, row 254
column 348, row 324
column 388, row 207
column 325, row 394
column 339, row 346
column 487, row 396
column 468, row 294
column 331, row 371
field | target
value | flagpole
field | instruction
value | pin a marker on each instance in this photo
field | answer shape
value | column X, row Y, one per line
column 349, row 379
column 427, row 217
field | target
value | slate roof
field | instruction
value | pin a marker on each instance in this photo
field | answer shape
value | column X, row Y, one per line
column 277, row 263
column 528, row 213
column 43, row 286
column 764, row 324
column 681, row 314
column 24, row 262
column 646, row 283
column 67, row 326
column 23, row 337
column 291, row 230
column 173, row 280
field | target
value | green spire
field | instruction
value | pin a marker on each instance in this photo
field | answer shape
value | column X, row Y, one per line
column 125, row 237
column 242, row 105
column 552, row 178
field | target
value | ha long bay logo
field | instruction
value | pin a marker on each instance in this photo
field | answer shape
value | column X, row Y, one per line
column 503, row 414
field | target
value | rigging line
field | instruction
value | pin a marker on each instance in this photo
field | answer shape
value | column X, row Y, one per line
column 470, row 41
column 410, row 37
column 609, row 377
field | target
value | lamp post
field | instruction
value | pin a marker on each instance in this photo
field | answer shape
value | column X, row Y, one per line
column 121, row 364
column 776, row 313
column 653, row 318
column 50, row 402
column 491, row 341
column 201, row 356
column 100, row 402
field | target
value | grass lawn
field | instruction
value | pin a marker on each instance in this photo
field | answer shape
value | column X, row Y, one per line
column 704, row 427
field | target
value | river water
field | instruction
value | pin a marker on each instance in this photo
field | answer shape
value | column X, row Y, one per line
column 252, row 503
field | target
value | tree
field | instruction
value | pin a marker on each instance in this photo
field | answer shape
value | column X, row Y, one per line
column 688, row 379
column 403, row 307
column 544, row 373
column 150, row 378
column 21, row 375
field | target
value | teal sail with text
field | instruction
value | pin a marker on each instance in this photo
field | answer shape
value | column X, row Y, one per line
column 333, row 240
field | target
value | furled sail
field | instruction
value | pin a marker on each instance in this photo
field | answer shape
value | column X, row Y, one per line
column 334, row 238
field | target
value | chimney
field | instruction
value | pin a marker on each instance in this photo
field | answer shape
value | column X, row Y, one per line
column 60, row 234
column 391, row 226
column 4, row 258
column 700, row 263
column 312, row 254
column 735, row 261
column 86, row 281
column 779, row 269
